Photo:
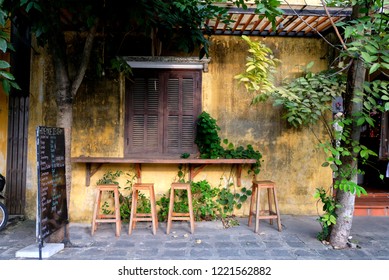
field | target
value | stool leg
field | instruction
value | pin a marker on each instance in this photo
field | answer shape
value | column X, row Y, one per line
column 117, row 213
column 133, row 211
column 269, row 199
column 156, row 213
column 190, row 205
column 277, row 210
column 258, row 202
column 96, row 212
column 252, row 201
column 153, row 211
column 170, row 212
column 136, row 209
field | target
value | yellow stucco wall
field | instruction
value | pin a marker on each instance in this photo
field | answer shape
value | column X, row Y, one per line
column 290, row 156
column 3, row 123
column 3, row 131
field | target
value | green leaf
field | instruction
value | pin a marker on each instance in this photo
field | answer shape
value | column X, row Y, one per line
column 3, row 45
column 360, row 121
column 374, row 67
column 310, row 65
column 348, row 31
column 6, row 86
column 7, row 75
column 243, row 198
column 370, row 121
column 4, row 64
column 367, row 57
column 371, row 49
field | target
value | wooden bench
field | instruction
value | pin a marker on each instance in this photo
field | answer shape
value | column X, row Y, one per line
column 195, row 165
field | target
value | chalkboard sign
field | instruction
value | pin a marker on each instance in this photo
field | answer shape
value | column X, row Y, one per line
column 52, row 202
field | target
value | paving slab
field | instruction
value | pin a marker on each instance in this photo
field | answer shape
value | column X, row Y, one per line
column 210, row 241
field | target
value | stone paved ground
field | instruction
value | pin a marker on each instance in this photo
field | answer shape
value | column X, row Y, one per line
column 211, row 241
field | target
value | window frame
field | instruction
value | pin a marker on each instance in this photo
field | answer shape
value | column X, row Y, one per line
column 163, row 75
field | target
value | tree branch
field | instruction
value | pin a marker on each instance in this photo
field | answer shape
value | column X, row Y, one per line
column 333, row 25
column 85, row 59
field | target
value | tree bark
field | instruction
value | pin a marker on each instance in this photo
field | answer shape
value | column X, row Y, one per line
column 340, row 232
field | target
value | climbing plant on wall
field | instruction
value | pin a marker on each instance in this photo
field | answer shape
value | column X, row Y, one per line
column 211, row 146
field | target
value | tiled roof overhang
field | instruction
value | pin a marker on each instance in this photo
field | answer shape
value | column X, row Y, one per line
column 296, row 21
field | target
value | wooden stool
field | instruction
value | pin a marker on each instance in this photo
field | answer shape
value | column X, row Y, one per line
column 174, row 216
column 266, row 214
column 135, row 216
column 102, row 218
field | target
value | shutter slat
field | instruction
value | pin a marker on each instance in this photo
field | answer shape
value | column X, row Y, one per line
column 152, row 132
column 187, row 95
column 173, row 94
column 138, row 132
column 173, row 132
column 153, row 94
column 187, row 135
column 138, row 96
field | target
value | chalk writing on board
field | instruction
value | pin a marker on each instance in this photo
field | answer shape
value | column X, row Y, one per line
column 51, row 179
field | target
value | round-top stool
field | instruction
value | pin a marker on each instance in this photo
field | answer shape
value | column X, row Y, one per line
column 270, row 186
column 135, row 216
column 178, row 216
column 107, row 218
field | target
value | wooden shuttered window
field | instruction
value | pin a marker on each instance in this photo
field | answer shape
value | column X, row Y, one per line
column 161, row 111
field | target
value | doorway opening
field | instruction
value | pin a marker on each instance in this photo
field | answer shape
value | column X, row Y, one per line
column 376, row 139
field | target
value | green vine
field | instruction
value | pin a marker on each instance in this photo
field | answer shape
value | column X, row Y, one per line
column 328, row 218
column 307, row 100
column 210, row 145
column 229, row 200
column 260, row 66
column 125, row 199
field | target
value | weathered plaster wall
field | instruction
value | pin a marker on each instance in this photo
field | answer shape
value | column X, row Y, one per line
column 3, row 121
column 98, row 126
column 3, row 131
column 3, row 124
column 290, row 156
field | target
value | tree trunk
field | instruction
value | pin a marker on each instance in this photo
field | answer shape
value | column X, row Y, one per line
column 64, row 120
column 355, row 78
column 341, row 230
column 65, row 93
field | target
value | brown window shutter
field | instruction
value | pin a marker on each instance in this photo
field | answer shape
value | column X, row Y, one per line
column 161, row 110
column 181, row 93
column 143, row 116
